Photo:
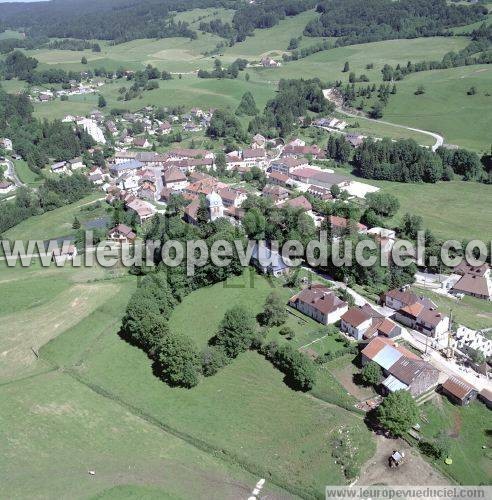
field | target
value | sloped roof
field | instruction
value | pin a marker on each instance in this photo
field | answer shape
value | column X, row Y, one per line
column 457, row 387
column 355, row 316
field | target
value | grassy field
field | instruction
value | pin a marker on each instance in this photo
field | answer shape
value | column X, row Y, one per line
column 46, row 409
column 26, row 175
column 467, row 431
column 328, row 65
column 249, row 425
column 448, row 208
column 471, row 312
column 445, row 107
column 56, row 223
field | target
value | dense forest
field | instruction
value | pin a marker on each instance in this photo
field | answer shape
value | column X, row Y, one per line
column 360, row 21
column 118, row 20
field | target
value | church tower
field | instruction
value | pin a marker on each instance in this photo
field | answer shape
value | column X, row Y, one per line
column 215, row 206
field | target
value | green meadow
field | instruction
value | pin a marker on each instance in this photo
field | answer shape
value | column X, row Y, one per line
column 47, row 408
column 452, row 210
column 445, row 106
column 466, row 430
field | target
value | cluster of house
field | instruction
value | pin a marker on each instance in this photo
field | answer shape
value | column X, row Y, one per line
column 475, row 281
column 418, row 313
column 121, row 127
column 66, row 167
column 76, row 88
column 402, row 368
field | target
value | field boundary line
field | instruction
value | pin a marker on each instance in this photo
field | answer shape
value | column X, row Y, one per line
column 200, row 444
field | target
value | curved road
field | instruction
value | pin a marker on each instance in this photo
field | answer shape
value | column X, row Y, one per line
column 11, row 173
column 439, row 138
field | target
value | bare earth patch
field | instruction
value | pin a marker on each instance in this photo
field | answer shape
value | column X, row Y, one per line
column 415, row 470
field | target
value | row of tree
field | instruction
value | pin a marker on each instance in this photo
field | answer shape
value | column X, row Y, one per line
column 405, row 161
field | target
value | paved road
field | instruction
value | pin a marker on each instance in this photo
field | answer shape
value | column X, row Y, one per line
column 439, row 138
column 12, row 174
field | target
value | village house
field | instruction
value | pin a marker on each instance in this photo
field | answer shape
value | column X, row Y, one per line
column 278, row 179
column 121, row 234
column 232, row 197
column 474, row 285
column 458, row 391
column 174, row 179
column 276, row 193
column 60, row 167
column 111, row 128
column 142, row 209
column 364, row 323
column 268, row 62
column 125, row 167
column 182, row 154
column 164, row 128
column 321, row 193
column 268, row 261
column 355, row 140
column 128, row 181
column 76, row 163
column 141, row 142
column 294, row 151
column 340, row 226
column 288, row 165
column 321, row 178
column 403, row 369
column 255, row 158
column 300, row 202
column 319, row 303
column 258, row 141
column 6, row 144
column 418, row 313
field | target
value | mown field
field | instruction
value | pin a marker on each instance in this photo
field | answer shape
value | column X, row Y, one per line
column 452, row 210
column 445, row 107
column 58, row 428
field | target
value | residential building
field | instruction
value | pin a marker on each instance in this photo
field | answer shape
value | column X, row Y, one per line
column 125, row 167
column 269, row 261
column 174, row 178
column 319, row 303
column 122, row 234
column 364, row 323
column 288, row 165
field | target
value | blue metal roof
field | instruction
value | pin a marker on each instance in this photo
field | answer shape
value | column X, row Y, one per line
column 393, row 384
column 387, row 356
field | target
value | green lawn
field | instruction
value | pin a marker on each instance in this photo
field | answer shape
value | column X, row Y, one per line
column 57, row 222
column 253, row 426
column 26, row 175
column 469, row 311
column 468, row 431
